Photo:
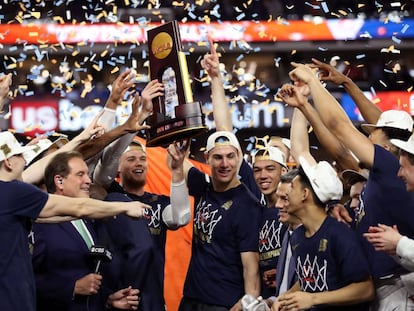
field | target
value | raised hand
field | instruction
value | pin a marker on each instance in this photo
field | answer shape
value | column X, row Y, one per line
column 135, row 121
column 293, row 95
column 328, row 73
column 210, row 63
column 302, row 73
column 177, row 152
column 119, row 87
column 152, row 90
column 93, row 130
column 5, row 83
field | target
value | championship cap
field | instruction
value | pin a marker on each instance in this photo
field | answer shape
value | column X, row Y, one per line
column 398, row 119
column 9, row 146
column 222, row 138
column 324, row 180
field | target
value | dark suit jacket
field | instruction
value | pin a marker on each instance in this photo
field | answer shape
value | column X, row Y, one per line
column 60, row 257
column 282, row 263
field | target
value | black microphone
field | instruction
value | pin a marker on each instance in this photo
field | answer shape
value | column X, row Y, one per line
column 100, row 254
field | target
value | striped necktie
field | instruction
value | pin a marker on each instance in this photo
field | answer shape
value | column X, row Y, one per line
column 83, row 231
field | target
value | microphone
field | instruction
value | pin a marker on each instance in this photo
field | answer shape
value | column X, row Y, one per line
column 100, row 254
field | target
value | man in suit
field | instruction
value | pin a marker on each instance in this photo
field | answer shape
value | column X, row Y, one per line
column 285, row 276
column 65, row 273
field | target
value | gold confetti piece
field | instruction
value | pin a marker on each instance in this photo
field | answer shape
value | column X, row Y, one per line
column 58, row 19
column 293, row 52
column 33, row 34
column 36, row 15
column 12, row 66
column 410, row 89
column 75, row 52
column 114, row 70
column 376, row 100
column 103, row 54
column 96, row 67
column 178, row 3
column 344, row 13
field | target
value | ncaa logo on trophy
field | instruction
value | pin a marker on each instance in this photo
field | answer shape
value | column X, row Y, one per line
column 175, row 115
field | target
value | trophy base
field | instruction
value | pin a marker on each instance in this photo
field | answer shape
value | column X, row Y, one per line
column 189, row 122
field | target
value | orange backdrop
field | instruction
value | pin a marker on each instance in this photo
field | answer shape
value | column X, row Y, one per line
column 178, row 248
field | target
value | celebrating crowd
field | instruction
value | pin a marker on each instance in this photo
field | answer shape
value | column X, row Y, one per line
column 286, row 231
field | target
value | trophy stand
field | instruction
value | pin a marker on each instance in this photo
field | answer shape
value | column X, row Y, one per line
column 175, row 115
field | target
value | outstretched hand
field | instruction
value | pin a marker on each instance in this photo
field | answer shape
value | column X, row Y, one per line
column 384, row 238
column 136, row 209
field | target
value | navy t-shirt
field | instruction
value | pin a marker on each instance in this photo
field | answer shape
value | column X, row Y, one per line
column 384, row 200
column 225, row 225
column 270, row 243
column 152, row 292
column 330, row 259
column 21, row 203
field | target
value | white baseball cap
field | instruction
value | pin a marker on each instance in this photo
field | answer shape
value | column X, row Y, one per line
column 135, row 145
column 222, row 138
column 9, row 146
column 270, row 153
column 407, row 146
column 398, row 119
column 43, row 145
column 286, row 142
column 324, row 180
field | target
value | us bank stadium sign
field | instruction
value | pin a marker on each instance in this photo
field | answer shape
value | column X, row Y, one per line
column 65, row 115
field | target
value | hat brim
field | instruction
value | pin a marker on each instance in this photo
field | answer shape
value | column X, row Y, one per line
column 368, row 128
column 404, row 145
column 352, row 177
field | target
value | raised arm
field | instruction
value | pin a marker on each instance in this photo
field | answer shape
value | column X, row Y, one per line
column 133, row 124
column 34, row 173
column 107, row 167
column 370, row 112
column 293, row 96
column 178, row 213
column 118, row 89
column 334, row 117
column 221, row 111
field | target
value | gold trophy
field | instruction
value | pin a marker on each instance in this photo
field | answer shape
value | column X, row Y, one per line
column 175, row 115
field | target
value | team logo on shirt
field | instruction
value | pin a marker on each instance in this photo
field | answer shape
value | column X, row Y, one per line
column 269, row 239
column 227, row 205
column 153, row 217
column 205, row 221
column 323, row 245
column 312, row 276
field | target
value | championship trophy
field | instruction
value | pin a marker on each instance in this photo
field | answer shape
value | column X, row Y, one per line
column 175, row 115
